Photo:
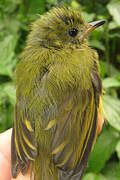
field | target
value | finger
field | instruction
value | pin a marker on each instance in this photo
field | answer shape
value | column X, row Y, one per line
column 100, row 122
column 5, row 169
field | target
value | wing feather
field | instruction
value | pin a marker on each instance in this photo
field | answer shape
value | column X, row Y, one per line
column 24, row 147
column 14, row 156
column 80, row 125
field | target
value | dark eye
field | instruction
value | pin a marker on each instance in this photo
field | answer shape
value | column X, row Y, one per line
column 73, row 32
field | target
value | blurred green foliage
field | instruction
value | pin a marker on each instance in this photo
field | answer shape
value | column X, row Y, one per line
column 15, row 18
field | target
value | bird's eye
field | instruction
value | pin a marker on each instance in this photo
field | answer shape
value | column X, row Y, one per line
column 73, row 32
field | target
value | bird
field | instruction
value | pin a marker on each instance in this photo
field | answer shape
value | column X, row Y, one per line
column 58, row 98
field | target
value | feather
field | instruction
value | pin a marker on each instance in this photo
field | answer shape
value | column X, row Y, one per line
column 57, row 99
column 23, row 144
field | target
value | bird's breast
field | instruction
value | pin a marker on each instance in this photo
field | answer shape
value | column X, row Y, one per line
column 71, row 71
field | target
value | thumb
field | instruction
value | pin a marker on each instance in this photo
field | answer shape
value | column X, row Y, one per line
column 5, row 169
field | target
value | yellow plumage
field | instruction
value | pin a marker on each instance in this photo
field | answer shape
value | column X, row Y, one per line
column 58, row 92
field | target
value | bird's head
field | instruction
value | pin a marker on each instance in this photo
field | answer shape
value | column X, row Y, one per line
column 60, row 28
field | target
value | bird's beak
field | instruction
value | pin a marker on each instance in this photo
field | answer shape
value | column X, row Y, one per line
column 94, row 25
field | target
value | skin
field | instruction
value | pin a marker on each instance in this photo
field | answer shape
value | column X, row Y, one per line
column 5, row 162
column 5, row 169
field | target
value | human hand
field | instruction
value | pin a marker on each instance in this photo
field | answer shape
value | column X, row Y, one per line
column 5, row 161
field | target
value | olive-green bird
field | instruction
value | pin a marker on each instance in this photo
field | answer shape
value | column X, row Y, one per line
column 58, row 98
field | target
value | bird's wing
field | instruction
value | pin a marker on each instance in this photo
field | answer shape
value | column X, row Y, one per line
column 76, row 131
column 23, row 147
column 23, row 143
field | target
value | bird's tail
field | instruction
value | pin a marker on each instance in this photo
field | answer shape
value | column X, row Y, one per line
column 44, row 171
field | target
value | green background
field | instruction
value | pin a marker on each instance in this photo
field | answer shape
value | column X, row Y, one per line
column 15, row 19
